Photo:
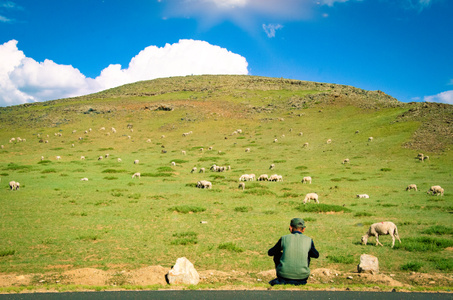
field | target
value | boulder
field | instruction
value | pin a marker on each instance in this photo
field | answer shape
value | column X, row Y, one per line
column 183, row 272
column 368, row 264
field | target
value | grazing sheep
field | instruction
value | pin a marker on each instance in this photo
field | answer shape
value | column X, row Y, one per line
column 345, row 161
column 2, row 147
column 245, row 177
column 241, row 186
column 301, row 133
column 136, row 162
column 239, row 130
column 382, row 228
column 58, row 157
column 82, row 157
column 102, row 128
column 275, row 140
column 219, row 152
column 436, row 190
column 162, row 137
column 201, row 149
column 84, row 179
column 229, row 168
column 72, row 145
column 194, row 169
column 263, row 177
column 247, row 149
column 183, row 152
column 14, row 186
column 411, row 187
column 363, row 196
column 329, row 141
column 272, row 166
column 252, row 177
column 119, row 159
column 306, row 179
column 113, row 130
column 148, row 140
column 107, row 155
column 276, row 177
column 203, row 184
column 136, row 175
column 370, row 139
column 214, row 168
column 100, row 157
column 310, row 196
column 173, row 163
column 356, row 131
column 210, row 148
column 305, row 145
column 74, row 131
column 163, row 151
column 202, row 170
column 42, row 157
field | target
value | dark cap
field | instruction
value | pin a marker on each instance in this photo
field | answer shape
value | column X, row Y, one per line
column 297, row 223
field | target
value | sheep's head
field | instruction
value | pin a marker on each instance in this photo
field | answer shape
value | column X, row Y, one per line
column 364, row 239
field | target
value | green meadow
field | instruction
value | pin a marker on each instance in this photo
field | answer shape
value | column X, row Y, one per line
column 55, row 220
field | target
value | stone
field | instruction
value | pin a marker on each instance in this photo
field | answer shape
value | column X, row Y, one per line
column 183, row 272
column 368, row 264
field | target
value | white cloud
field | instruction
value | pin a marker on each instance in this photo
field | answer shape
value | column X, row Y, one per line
column 271, row 28
column 22, row 79
column 444, row 97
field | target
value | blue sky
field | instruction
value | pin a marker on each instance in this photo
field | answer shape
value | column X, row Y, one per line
column 53, row 49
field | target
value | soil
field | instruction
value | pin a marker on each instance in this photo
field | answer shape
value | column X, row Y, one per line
column 90, row 278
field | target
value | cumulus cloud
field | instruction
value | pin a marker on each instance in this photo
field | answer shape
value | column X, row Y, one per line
column 22, row 79
column 271, row 28
column 444, row 97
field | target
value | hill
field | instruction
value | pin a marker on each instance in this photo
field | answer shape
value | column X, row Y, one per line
column 56, row 224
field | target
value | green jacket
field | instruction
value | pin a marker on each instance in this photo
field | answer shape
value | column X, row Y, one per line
column 295, row 258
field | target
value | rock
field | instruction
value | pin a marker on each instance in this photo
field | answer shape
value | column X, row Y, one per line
column 368, row 264
column 183, row 272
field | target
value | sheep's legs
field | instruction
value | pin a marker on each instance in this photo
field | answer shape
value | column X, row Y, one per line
column 377, row 240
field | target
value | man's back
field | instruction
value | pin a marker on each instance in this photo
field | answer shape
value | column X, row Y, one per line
column 294, row 261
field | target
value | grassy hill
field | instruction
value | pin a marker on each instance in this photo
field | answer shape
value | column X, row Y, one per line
column 57, row 222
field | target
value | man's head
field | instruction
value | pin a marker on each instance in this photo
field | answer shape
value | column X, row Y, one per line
column 297, row 224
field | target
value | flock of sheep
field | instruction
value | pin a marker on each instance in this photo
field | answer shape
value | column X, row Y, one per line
column 376, row 229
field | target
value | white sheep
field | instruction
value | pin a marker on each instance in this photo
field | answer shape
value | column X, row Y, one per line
column 58, row 157
column 119, row 159
column 84, row 179
column 272, row 166
column 82, row 157
column 411, row 187
column 362, row 196
column 162, row 137
column 345, row 161
column 436, row 190
column 382, row 228
column 276, row 177
column 263, row 177
column 148, row 140
column 194, row 169
column 183, row 152
column 173, row 163
column 241, row 186
column 311, row 196
column 210, row 148
column 201, row 149
column 245, row 177
column 370, row 139
column 203, row 184
column 301, row 133
column 136, row 175
column 202, row 170
column 275, row 140
column 306, row 179
column 305, row 145
column 107, row 155
column 100, row 157
column 329, row 141
column 136, row 162
column 247, row 149
column 14, row 186
column 252, row 177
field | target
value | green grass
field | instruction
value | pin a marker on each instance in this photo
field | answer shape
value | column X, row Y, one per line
column 412, row 266
column 114, row 220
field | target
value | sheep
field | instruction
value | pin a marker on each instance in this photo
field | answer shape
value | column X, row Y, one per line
column 239, row 130
column 301, row 133
column 229, row 168
column 370, row 139
column 411, row 187
column 163, row 151
column 202, row 170
column 345, row 161
column 136, row 175
column 119, row 159
column 276, row 177
column 72, row 145
column 203, row 184
column 74, row 131
column 263, row 177
column 241, row 186
column 210, row 148
column 148, row 140
column 305, row 145
column 245, row 177
column 183, row 152
column 275, row 140
column 311, row 196
column 162, row 137
column 382, row 228
column 82, row 157
column 84, row 179
column 272, row 166
column 252, row 177
column 14, row 186
column 107, row 155
column 58, row 157
column 113, row 130
column 102, row 128
column 136, row 162
column 100, row 157
column 194, row 169
column 3, row 147
column 436, row 190
column 356, row 132
column 173, row 163
column 42, row 158
column 219, row 152
column 201, row 149
column 329, row 141
column 306, row 179
column 362, row 196
column 247, row 149
column 214, row 168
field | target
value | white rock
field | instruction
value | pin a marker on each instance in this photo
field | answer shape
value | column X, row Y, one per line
column 183, row 272
column 368, row 264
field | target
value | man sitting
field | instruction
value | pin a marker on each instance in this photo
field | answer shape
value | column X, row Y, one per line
column 292, row 255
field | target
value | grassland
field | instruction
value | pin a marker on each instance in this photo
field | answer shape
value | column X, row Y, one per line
column 57, row 222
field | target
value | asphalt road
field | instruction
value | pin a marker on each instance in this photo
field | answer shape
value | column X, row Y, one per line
column 237, row 295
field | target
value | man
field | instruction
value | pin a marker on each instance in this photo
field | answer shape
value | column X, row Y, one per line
column 292, row 255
